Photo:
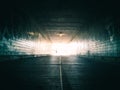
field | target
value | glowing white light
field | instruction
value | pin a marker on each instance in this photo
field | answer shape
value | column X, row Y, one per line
column 64, row 49
column 43, row 48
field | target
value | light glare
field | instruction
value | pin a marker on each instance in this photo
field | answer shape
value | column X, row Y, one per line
column 57, row 49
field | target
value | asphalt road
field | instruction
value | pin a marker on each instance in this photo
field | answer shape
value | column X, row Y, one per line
column 59, row 73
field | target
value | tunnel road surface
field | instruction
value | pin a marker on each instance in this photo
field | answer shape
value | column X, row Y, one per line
column 59, row 73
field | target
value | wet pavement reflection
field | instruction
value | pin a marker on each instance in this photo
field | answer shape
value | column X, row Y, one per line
column 46, row 72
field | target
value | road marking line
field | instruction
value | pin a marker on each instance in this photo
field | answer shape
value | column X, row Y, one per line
column 61, row 82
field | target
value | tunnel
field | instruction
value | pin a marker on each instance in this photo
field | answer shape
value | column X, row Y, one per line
column 59, row 45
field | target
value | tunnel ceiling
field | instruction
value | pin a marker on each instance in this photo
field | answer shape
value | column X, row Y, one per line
column 57, row 20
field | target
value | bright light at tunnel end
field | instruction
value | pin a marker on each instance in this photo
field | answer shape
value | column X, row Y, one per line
column 53, row 49
column 63, row 49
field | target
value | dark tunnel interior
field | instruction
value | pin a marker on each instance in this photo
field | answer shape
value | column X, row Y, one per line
column 59, row 44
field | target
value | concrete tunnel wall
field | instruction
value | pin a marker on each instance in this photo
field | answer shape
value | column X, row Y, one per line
column 101, row 33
